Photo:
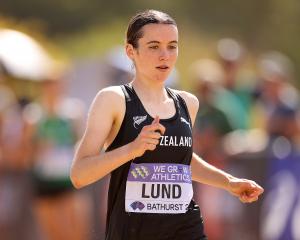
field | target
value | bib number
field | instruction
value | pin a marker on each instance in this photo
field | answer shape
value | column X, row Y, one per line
column 158, row 188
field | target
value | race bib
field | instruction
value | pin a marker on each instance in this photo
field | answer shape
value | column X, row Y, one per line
column 158, row 188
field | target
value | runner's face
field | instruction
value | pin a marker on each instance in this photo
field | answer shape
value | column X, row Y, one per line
column 157, row 51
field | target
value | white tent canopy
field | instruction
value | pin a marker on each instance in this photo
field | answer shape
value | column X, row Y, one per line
column 22, row 56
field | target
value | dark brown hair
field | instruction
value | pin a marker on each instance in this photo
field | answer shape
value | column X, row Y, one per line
column 137, row 22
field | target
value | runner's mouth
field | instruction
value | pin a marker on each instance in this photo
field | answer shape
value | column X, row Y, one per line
column 162, row 67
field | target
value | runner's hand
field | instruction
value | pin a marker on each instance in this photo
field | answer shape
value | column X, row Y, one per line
column 246, row 190
column 148, row 138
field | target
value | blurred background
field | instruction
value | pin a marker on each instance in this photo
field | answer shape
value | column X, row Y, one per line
column 240, row 58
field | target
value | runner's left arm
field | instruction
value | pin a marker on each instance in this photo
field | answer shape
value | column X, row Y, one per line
column 246, row 190
column 203, row 172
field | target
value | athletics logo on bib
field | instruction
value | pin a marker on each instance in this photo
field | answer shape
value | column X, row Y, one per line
column 158, row 188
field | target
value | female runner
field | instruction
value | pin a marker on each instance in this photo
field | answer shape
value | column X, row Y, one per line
column 146, row 131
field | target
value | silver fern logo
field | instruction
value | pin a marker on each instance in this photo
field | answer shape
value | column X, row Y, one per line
column 137, row 120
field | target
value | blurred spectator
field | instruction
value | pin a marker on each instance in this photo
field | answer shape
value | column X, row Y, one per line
column 55, row 127
column 236, row 101
column 211, row 122
column 246, row 154
column 276, row 86
column 15, row 187
column 210, row 126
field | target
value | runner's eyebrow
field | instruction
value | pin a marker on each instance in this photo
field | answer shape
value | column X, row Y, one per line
column 172, row 42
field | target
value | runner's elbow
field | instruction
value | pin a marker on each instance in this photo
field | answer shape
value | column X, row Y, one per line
column 76, row 183
column 75, row 179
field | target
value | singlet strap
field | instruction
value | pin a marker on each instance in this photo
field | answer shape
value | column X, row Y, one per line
column 174, row 96
column 180, row 101
column 128, row 92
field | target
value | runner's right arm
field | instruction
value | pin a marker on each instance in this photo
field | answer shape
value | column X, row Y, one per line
column 106, row 114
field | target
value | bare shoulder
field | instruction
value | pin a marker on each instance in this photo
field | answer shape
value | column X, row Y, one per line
column 109, row 98
column 109, row 101
column 191, row 101
column 187, row 96
column 113, row 93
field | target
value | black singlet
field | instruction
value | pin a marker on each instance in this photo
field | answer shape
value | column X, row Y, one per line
column 149, row 226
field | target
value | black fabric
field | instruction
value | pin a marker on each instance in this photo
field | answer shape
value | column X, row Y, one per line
column 145, row 226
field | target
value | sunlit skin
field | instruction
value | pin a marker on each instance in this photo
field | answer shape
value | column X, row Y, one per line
column 156, row 54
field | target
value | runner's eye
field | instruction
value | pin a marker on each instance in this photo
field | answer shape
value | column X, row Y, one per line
column 154, row 47
column 172, row 47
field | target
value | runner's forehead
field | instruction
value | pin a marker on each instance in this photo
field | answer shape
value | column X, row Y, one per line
column 159, row 33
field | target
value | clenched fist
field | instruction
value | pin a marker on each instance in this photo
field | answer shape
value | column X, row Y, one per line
column 148, row 138
column 246, row 190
